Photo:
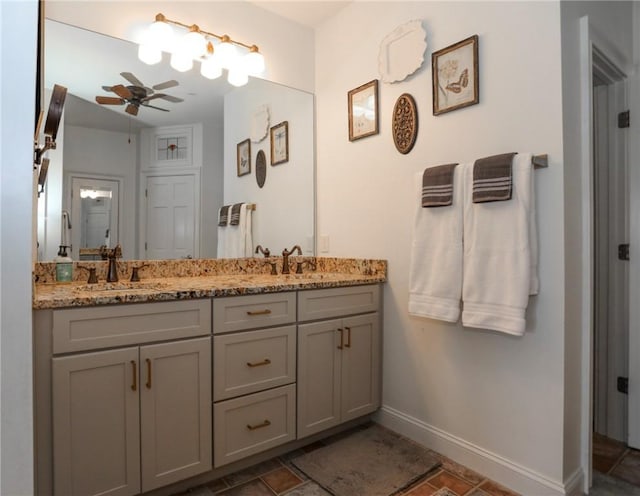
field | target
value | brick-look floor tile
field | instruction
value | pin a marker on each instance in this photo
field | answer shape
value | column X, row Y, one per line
column 477, row 492
column 253, row 488
column 495, row 489
column 421, row 490
column 450, row 481
column 252, row 472
column 307, row 489
column 461, row 471
column 281, row 480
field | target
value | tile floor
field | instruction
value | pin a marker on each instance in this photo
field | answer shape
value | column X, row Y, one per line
column 615, row 459
column 278, row 477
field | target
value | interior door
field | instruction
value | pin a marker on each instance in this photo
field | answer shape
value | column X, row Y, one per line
column 170, row 217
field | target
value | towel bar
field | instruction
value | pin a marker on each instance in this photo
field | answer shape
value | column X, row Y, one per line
column 540, row 161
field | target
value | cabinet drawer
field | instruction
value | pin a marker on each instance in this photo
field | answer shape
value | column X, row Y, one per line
column 248, row 362
column 251, row 424
column 328, row 303
column 236, row 313
column 76, row 329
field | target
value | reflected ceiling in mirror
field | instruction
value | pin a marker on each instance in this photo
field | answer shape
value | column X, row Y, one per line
column 84, row 62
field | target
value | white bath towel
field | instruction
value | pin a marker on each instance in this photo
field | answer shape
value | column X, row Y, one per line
column 237, row 240
column 222, row 231
column 435, row 279
column 499, row 255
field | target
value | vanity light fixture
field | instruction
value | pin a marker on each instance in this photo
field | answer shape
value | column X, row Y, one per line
column 214, row 52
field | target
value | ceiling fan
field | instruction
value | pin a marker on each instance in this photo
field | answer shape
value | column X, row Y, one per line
column 137, row 94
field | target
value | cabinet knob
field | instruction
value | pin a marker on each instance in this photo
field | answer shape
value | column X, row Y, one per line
column 266, row 423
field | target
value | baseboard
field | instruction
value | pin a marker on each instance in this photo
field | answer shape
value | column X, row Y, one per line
column 506, row 472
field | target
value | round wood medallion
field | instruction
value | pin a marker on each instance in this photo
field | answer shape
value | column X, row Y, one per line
column 405, row 123
column 261, row 168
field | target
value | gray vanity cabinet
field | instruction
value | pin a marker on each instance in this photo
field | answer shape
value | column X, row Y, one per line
column 338, row 359
column 131, row 419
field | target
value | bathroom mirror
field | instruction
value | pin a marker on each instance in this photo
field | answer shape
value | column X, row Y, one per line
column 104, row 143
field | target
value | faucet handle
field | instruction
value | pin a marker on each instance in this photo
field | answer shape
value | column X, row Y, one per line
column 308, row 263
column 274, row 268
column 135, row 277
column 93, row 278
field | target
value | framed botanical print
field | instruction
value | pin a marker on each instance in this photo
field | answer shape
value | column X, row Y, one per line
column 363, row 110
column 244, row 157
column 455, row 76
column 280, row 143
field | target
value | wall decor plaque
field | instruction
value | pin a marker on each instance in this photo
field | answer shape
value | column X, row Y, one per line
column 455, row 76
column 402, row 52
column 405, row 123
column 261, row 168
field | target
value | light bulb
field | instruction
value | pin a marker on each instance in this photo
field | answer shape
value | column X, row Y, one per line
column 149, row 54
column 237, row 76
column 194, row 43
column 160, row 34
column 253, row 61
column 210, row 68
column 181, row 61
column 226, row 52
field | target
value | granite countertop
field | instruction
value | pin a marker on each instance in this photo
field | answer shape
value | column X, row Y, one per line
column 78, row 293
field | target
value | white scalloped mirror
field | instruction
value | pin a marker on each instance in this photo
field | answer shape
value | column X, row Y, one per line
column 402, row 52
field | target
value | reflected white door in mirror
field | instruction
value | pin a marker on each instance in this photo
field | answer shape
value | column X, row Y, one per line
column 171, row 159
column 95, row 212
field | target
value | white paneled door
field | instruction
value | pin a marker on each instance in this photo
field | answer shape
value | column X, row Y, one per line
column 171, row 217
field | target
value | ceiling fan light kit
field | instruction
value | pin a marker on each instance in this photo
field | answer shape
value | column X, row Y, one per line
column 214, row 52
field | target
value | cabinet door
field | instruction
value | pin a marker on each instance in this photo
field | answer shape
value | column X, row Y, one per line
column 175, row 416
column 360, row 366
column 318, row 377
column 96, row 437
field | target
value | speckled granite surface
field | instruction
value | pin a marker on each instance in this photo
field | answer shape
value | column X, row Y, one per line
column 184, row 279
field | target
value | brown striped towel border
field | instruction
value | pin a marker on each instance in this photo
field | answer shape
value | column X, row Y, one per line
column 235, row 214
column 223, row 217
column 492, row 178
column 437, row 186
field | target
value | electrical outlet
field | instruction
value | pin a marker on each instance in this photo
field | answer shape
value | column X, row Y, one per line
column 324, row 244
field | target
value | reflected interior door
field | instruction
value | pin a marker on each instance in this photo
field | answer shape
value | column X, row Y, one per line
column 170, row 217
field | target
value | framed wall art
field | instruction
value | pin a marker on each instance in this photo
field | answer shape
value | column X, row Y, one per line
column 455, row 76
column 244, row 157
column 280, row 143
column 363, row 110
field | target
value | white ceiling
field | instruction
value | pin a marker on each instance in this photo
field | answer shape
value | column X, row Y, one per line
column 308, row 13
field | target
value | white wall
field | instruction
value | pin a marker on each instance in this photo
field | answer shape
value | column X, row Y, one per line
column 611, row 23
column 18, row 22
column 492, row 401
column 285, row 204
column 106, row 153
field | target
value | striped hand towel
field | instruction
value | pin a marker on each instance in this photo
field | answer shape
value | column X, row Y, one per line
column 492, row 178
column 235, row 214
column 223, row 215
column 437, row 186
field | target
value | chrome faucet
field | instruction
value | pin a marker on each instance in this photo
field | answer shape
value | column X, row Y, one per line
column 113, row 255
column 285, row 258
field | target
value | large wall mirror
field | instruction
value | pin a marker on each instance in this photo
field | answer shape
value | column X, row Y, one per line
column 107, row 159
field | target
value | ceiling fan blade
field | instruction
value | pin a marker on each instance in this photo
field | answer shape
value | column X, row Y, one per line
column 169, row 98
column 132, row 79
column 132, row 109
column 109, row 100
column 122, row 91
column 151, row 106
column 107, row 88
column 167, row 84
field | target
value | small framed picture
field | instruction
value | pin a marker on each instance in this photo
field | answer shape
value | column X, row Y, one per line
column 280, row 143
column 363, row 110
column 244, row 157
column 455, row 76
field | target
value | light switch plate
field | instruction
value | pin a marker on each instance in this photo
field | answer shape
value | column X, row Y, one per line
column 324, row 244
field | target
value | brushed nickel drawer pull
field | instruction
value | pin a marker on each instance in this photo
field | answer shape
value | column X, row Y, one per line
column 266, row 311
column 266, row 361
column 341, row 345
column 266, row 423
column 134, row 384
column 348, row 345
column 148, row 384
